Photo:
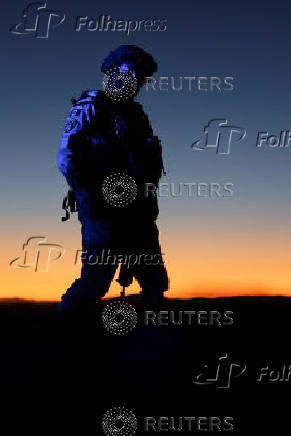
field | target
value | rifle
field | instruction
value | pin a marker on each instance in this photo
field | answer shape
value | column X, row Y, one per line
column 69, row 205
column 124, row 279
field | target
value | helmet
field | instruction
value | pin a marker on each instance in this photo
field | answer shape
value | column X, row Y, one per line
column 141, row 62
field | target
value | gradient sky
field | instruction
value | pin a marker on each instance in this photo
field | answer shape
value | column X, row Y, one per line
column 214, row 246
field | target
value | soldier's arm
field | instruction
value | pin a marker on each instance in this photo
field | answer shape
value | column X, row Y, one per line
column 73, row 154
column 156, row 158
column 155, row 162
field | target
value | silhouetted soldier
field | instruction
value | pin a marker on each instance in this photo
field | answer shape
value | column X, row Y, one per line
column 108, row 154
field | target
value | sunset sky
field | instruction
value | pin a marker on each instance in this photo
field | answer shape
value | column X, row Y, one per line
column 214, row 246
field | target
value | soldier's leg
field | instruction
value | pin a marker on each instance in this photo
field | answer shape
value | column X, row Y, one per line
column 98, row 268
column 93, row 284
column 150, row 271
column 154, row 282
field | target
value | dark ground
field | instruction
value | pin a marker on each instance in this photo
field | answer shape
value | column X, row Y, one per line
column 61, row 379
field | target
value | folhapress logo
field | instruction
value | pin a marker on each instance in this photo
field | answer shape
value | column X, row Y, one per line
column 37, row 253
column 223, row 372
column 218, row 134
column 38, row 20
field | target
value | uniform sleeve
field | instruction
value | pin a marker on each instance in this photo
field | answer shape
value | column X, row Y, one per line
column 159, row 164
column 72, row 154
column 154, row 165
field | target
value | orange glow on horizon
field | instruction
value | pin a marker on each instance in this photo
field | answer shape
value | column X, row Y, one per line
column 201, row 264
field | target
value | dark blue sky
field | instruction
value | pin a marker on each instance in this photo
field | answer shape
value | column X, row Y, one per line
column 247, row 40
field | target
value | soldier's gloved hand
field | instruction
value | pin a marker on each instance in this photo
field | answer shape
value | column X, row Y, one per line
column 125, row 277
